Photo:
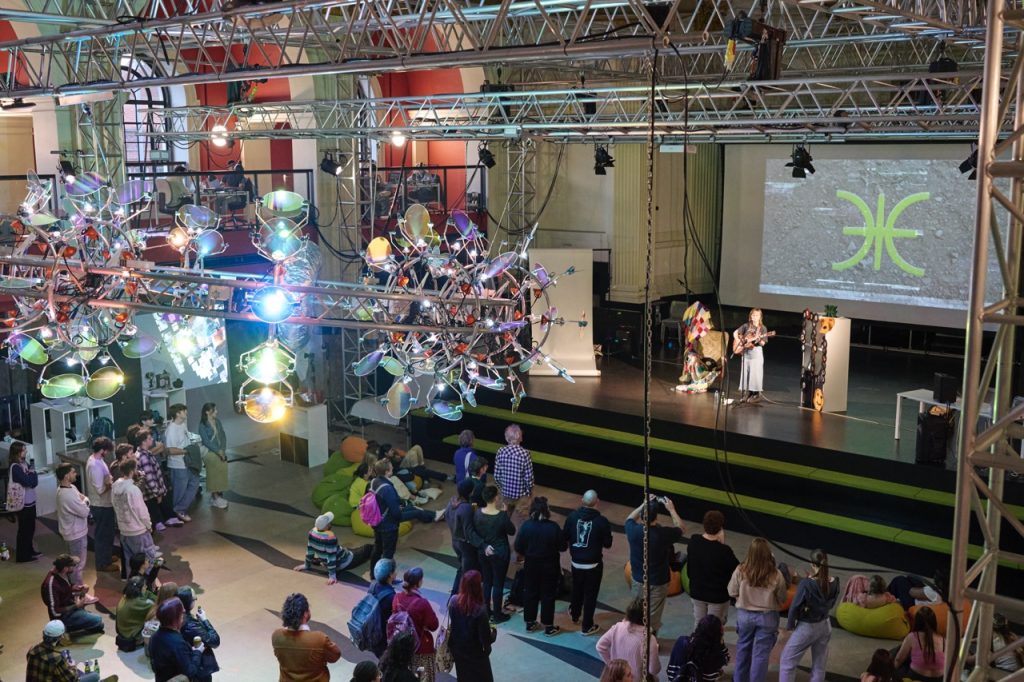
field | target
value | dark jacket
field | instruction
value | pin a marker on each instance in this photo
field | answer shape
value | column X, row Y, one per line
column 385, row 597
column 809, row 604
column 390, row 505
column 709, row 566
column 494, row 529
column 588, row 533
column 540, row 539
column 192, row 628
column 170, row 655
column 460, row 522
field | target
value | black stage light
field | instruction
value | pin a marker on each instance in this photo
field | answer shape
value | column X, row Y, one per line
column 801, row 162
column 602, row 160
column 16, row 103
column 486, row 157
column 67, row 169
column 970, row 164
column 330, row 166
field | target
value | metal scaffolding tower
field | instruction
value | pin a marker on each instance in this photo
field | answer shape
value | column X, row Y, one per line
column 987, row 455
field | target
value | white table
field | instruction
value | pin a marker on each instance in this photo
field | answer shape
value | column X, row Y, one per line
column 925, row 396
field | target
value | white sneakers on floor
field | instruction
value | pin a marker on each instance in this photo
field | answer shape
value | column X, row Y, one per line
column 159, row 527
column 218, row 502
column 173, row 521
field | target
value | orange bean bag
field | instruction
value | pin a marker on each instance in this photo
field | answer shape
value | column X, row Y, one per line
column 941, row 615
column 675, row 581
column 353, row 449
column 790, row 593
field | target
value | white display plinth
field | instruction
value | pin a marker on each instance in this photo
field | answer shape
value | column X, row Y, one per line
column 837, row 362
column 53, row 423
column 303, row 436
column 569, row 345
column 46, row 494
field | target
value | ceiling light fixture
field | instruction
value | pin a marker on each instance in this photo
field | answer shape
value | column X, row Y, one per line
column 332, row 167
column 970, row 164
column 486, row 157
column 602, row 160
column 801, row 162
column 398, row 138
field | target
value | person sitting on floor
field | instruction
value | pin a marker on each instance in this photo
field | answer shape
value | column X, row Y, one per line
column 47, row 664
column 324, row 551
column 197, row 626
column 868, row 594
column 131, row 613
column 409, row 465
column 64, row 602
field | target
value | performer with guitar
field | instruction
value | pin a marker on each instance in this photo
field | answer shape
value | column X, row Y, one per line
column 747, row 342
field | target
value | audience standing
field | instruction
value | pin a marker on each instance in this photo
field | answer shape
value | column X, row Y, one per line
column 470, row 635
column 588, row 534
column 464, row 455
column 701, row 656
column 132, row 514
column 396, row 665
column 759, row 589
column 73, row 519
column 541, row 542
column 815, row 596
column 626, row 640
column 23, row 473
column 65, row 602
column 169, row 654
column 151, row 481
column 383, row 589
column 513, row 471
column 466, row 541
column 924, row 648
column 661, row 551
column 494, row 527
column 215, row 455
column 709, row 566
column 423, row 617
column 184, row 482
column 385, row 533
column 302, row 654
column 98, row 483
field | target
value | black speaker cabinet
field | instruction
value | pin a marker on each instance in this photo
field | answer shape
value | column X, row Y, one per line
column 944, row 390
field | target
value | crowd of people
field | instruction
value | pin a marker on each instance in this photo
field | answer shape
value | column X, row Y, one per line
column 497, row 526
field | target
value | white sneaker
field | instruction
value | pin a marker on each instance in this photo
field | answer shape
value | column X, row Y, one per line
column 174, row 521
column 219, row 503
column 440, row 514
column 160, row 528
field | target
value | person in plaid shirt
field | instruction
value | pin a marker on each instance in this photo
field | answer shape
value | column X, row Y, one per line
column 151, row 481
column 513, row 472
column 46, row 664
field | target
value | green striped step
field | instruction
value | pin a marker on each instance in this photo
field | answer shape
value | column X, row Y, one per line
column 664, row 485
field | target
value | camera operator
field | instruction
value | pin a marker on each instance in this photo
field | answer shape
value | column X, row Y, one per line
column 661, row 551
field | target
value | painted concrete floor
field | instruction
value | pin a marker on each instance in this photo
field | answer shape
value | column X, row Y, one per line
column 241, row 559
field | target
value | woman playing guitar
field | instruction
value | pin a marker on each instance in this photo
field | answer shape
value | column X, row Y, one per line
column 747, row 342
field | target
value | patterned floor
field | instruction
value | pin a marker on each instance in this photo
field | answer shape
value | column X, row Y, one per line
column 240, row 561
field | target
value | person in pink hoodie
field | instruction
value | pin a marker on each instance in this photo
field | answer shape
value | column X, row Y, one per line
column 132, row 514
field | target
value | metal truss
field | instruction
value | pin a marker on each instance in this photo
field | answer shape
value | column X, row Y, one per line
column 520, row 171
column 987, row 455
column 843, row 107
column 303, row 37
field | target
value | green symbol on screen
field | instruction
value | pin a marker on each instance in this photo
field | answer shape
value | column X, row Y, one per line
column 880, row 228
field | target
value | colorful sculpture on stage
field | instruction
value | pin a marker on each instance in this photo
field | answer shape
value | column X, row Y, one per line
column 705, row 350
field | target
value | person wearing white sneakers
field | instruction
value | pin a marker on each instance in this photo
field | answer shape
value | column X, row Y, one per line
column 132, row 515
column 73, row 522
column 184, row 482
column 214, row 446
column 151, row 480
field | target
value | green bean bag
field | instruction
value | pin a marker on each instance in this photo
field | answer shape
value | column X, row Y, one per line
column 335, row 463
column 684, row 579
column 332, row 485
column 360, row 528
column 338, row 504
column 886, row 622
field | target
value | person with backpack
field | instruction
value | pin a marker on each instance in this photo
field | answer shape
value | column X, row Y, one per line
column 588, row 533
column 381, row 510
column 699, row 657
column 368, row 625
column 410, row 611
column 815, row 596
column 302, row 654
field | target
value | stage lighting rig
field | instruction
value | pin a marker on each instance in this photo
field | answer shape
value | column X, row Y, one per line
column 801, row 162
column 332, row 167
column 486, row 157
column 602, row 160
column 67, row 170
column 970, row 164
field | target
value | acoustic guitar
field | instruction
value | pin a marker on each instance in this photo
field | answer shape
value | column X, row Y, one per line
column 741, row 344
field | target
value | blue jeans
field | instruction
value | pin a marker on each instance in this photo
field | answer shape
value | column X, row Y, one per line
column 412, row 513
column 813, row 636
column 185, row 484
column 757, row 632
column 81, row 621
column 103, row 535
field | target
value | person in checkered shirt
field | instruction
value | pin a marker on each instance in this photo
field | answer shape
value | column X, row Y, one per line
column 46, row 664
column 513, row 472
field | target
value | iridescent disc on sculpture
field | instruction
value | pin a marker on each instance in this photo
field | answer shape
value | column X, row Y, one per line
column 278, row 239
column 269, row 364
column 465, row 226
column 283, row 203
column 43, row 219
column 139, row 346
column 367, row 364
column 446, row 410
column 399, row 399
column 28, row 349
column 499, row 264
column 540, row 274
column 209, row 243
column 131, row 191
column 83, row 184
column 493, row 383
column 104, row 383
column 417, row 223
column 378, row 252
column 392, row 366
column 197, row 217
column 62, row 386
column 265, row 405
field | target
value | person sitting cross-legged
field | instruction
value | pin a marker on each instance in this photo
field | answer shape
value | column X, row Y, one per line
column 46, row 664
column 324, row 551
column 64, row 601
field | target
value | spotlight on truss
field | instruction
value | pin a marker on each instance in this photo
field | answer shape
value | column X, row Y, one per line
column 486, row 157
column 970, row 164
column 602, row 160
column 330, row 166
column 801, row 162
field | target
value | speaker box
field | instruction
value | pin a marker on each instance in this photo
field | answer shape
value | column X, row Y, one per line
column 944, row 390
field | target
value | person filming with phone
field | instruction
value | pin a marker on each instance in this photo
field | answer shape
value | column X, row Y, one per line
column 660, row 548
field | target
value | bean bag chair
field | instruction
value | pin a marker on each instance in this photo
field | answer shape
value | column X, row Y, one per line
column 941, row 614
column 335, row 463
column 684, row 579
column 338, row 504
column 356, row 491
column 360, row 528
column 675, row 581
column 790, row 593
column 886, row 622
column 332, row 485
column 353, row 449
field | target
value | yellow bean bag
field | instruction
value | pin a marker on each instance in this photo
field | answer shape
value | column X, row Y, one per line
column 338, row 504
column 353, row 449
column 941, row 614
column 360, row 528
column 886, row 622
column 356, row 491
column 675, row 581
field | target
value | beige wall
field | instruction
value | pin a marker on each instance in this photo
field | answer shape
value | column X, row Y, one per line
column 17, row 156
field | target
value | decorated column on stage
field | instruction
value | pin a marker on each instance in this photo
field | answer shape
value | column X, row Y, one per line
column 825, row 367
column 570, row 338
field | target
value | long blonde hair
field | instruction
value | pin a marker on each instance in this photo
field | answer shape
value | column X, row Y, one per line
column 615, row 671
column 166, row 591
column 759, row 565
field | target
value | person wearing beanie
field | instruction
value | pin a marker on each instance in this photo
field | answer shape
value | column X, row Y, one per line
column 366, row 671
column 196, row 624
column 46, row 664
column 302, row 654
column 323, row 550
column 64, row 602
column 383, row 589
column 466, row 541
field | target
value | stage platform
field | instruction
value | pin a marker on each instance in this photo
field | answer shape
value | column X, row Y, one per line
column 841, row 482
